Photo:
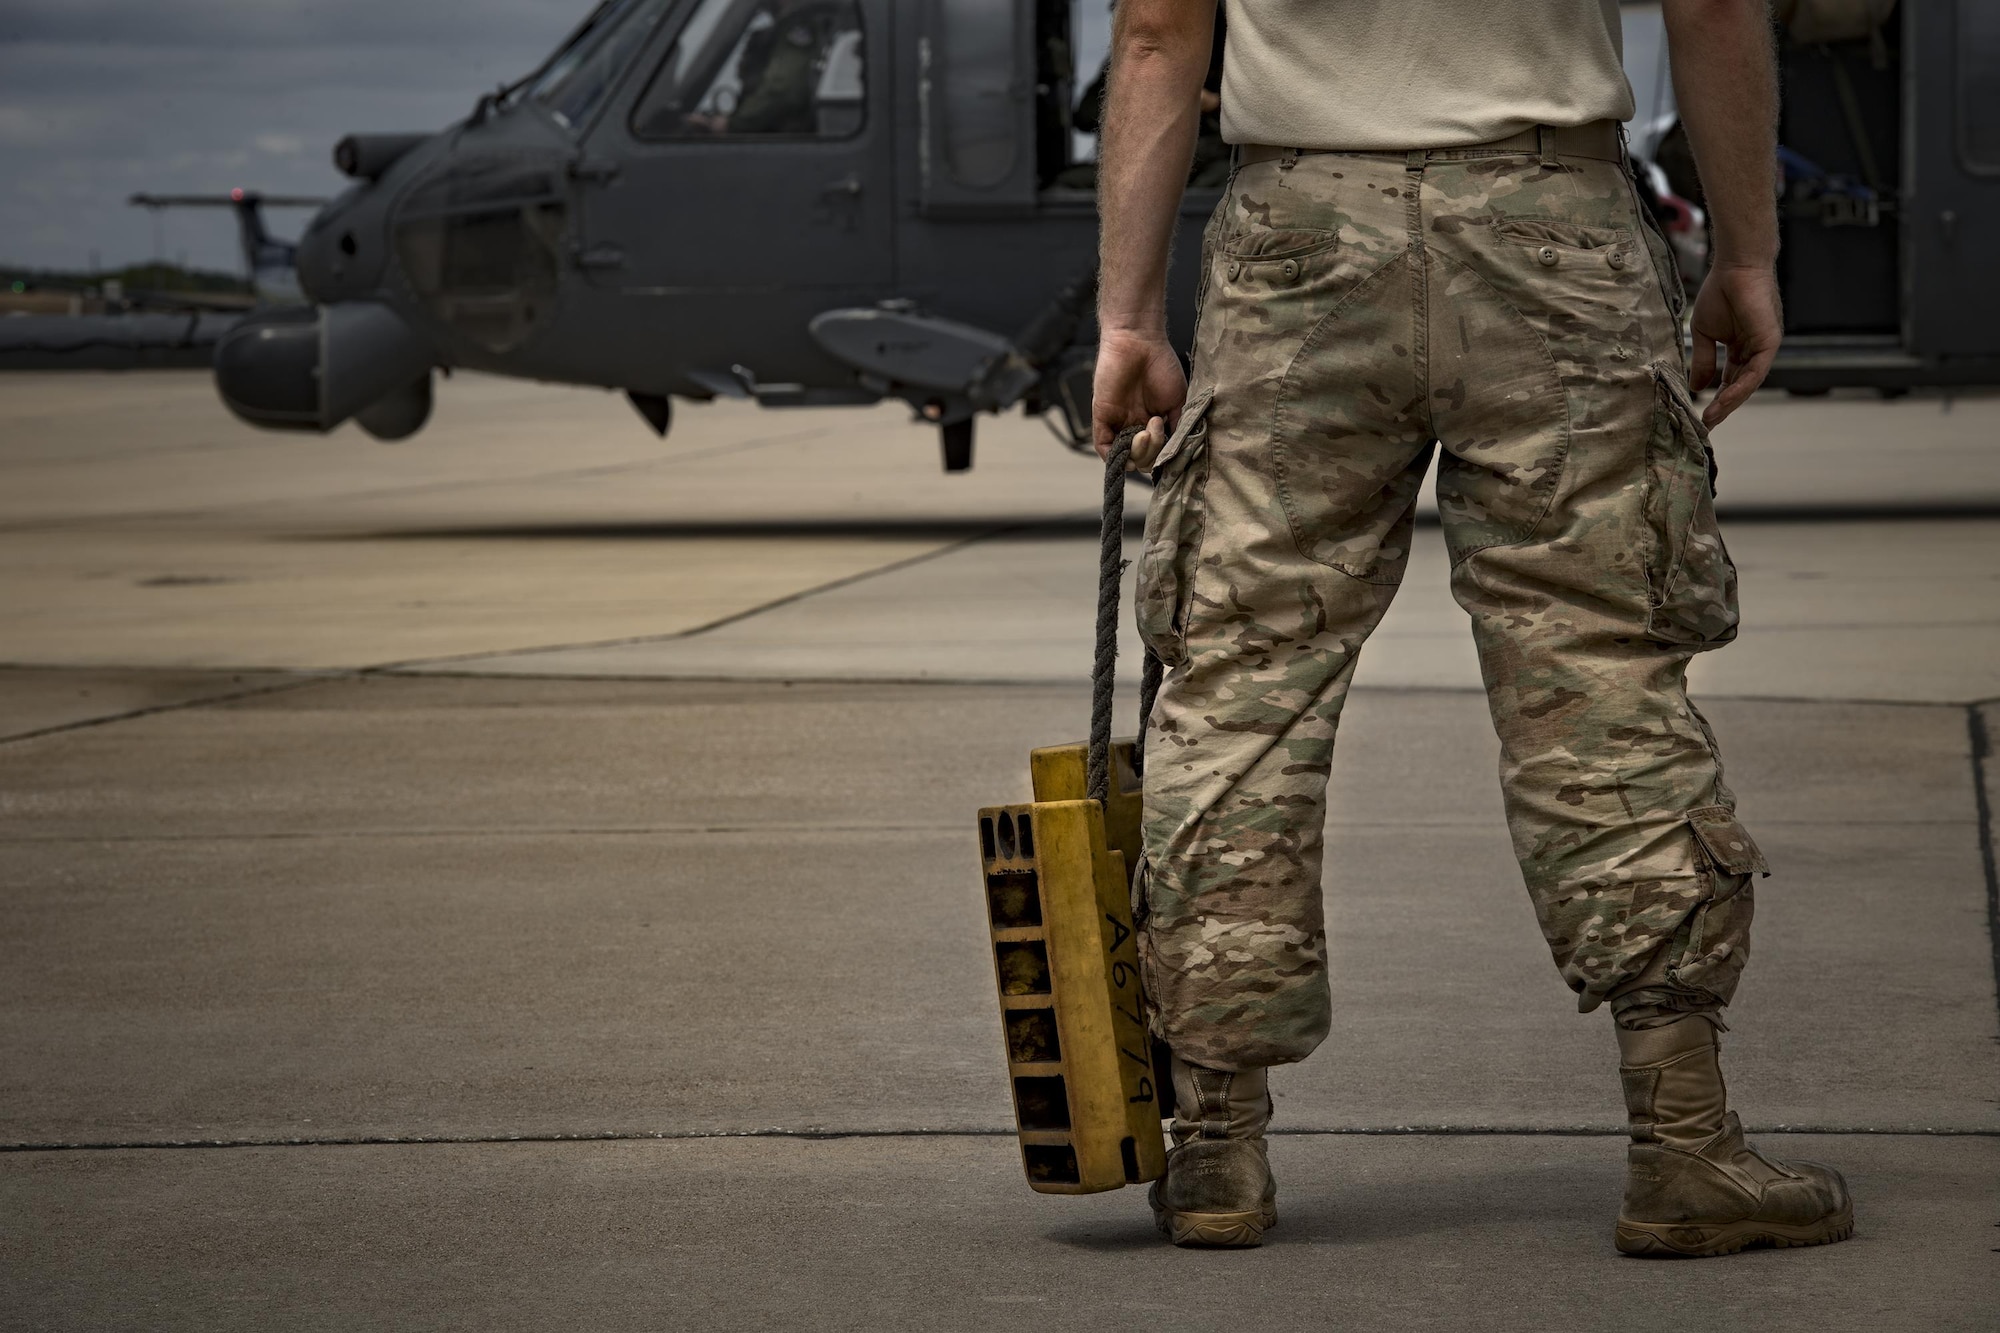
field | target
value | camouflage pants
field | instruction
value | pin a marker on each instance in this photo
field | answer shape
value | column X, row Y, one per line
column 1359, row 311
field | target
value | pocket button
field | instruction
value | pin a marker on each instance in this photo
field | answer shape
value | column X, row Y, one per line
column 1547, row 254
column 1618, row 259
column 1291, row 270
column 1235, row 269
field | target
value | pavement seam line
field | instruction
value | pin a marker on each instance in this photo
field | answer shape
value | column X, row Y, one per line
column 408, row 669
column 511, row 831
column 953, row 829
column 1982, row 752
column 311, row 675
column 1835, row 511
column 894, row 566
column 706, row 1135
column 131, row 714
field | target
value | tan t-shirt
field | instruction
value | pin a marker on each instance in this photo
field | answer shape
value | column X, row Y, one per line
column 1394, row 74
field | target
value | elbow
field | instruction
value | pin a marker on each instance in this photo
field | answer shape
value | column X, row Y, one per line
column 1146, row 49
column 1704, row 13
column 1172, row 32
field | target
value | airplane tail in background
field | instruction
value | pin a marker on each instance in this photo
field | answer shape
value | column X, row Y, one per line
column 270, row 264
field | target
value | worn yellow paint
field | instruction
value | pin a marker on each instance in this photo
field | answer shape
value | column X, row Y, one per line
column 1062, row 773
column 1054, row 882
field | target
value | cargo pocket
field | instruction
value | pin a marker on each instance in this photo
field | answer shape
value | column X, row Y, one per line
column 1691, row 582
column 1725, row 842
column 1716, row 941
column 1174, row 525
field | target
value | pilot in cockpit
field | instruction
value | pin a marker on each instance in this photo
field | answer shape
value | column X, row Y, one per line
column 787, row 51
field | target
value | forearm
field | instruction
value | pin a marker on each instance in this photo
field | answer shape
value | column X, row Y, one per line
column 1160, row 54
column 1725, row 79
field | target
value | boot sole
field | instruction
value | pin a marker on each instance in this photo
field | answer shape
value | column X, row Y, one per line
column 1216, row 1231
column 1674, row 1240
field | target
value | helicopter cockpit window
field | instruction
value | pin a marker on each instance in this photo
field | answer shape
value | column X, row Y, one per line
column 577, row 81
column 774, row 68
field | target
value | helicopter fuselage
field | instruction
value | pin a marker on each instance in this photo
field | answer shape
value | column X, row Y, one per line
column 590, row 227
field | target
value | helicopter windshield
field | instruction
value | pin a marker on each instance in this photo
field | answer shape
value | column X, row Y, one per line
column 574, row 83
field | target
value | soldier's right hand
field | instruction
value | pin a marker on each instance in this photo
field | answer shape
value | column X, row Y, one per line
column 1139, row 379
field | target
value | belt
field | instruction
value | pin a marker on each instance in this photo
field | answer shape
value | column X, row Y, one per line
column 1599, row 140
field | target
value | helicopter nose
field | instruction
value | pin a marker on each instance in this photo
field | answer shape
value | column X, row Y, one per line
column 344, row 252
column 311, row 368
column 339, row 256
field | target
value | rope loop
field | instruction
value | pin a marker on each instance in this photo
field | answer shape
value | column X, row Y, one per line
column 1104, row 667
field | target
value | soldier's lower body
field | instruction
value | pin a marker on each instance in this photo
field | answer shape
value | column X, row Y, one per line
column 1513, row 309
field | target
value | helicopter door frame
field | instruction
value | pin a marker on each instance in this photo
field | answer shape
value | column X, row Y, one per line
column 1952, row 283
column 691, row 215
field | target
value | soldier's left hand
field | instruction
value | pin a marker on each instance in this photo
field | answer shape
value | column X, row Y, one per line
column 1739, row 310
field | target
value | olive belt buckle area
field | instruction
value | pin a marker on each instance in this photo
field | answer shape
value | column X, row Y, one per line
column 1088, row 1099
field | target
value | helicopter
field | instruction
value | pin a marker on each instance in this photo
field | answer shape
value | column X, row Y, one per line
column 826, row 202
column 795, row 202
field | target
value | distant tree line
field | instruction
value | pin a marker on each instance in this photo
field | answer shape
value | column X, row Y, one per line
column 149, row 277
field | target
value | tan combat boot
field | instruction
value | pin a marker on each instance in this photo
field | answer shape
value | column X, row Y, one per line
column 1218, row 1192
column 1692, row 1186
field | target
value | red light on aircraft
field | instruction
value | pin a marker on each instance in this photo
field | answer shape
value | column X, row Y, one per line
column 237, row 194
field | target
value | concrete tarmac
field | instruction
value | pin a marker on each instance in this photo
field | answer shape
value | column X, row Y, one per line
column 525, row 875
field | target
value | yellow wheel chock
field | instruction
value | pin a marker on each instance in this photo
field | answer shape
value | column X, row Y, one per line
column 1058, row 899
column 1058, row 876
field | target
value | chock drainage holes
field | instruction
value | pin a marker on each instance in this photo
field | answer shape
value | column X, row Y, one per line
column 1041, row 1103
column 1014, row 898
column 1031, row 1036
column 1023, row 967
column 1053, row 1163
column 1007, row 836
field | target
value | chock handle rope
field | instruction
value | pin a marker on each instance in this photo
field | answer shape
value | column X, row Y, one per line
column 1104, row 668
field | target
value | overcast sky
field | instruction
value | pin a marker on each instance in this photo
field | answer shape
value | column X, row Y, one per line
column 102, row 98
